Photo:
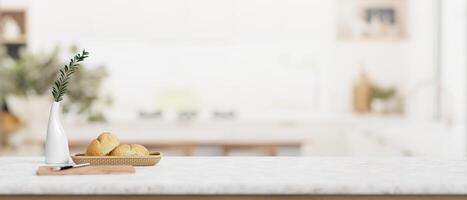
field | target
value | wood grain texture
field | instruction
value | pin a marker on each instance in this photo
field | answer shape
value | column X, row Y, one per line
column 88, row 170
column 235, row 197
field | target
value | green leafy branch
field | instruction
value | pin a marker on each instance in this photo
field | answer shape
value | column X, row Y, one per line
column 60, row 85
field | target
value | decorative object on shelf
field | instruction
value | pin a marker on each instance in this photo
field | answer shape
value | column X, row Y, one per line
column 379, row 97
column 361, row 94
column 371, row 20
column 11, row 30
column 385, row 100
column 367, row 96
column 56, row 146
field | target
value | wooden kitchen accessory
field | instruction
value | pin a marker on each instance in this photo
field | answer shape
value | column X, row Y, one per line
column 361, row 94
column 88, row 170
column 150, row 160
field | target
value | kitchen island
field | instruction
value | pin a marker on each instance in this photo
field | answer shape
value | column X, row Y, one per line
column 247, row 178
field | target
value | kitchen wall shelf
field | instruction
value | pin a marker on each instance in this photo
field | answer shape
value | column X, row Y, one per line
column 13, row 30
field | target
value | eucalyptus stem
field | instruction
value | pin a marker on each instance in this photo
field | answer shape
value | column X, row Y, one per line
column 60, row 85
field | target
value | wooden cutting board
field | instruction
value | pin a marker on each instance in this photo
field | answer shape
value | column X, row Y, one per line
column 88, row 170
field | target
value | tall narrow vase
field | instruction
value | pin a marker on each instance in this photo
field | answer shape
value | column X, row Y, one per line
column 56, row 146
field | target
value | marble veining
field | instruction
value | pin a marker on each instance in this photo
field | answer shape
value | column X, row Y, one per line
column 250, row 175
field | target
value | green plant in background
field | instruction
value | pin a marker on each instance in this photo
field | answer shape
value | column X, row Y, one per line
column 34, row 74
column 85, row 96
column 30, row 74
column 4, row 84
column 382, row 93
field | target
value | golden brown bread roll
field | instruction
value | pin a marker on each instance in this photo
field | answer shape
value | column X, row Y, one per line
column 130, row 150
column 103, row 145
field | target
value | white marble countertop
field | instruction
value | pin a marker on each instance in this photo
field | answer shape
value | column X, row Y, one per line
column 250, row 175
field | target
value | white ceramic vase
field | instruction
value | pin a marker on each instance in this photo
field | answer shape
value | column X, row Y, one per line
column 56, row 146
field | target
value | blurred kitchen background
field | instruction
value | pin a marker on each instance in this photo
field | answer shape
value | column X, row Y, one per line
column 240, row 77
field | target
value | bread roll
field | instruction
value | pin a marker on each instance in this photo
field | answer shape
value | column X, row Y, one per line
column 103, row 145
column 130, row 150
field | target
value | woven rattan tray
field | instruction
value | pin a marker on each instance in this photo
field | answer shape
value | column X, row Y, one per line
column 150, row 160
